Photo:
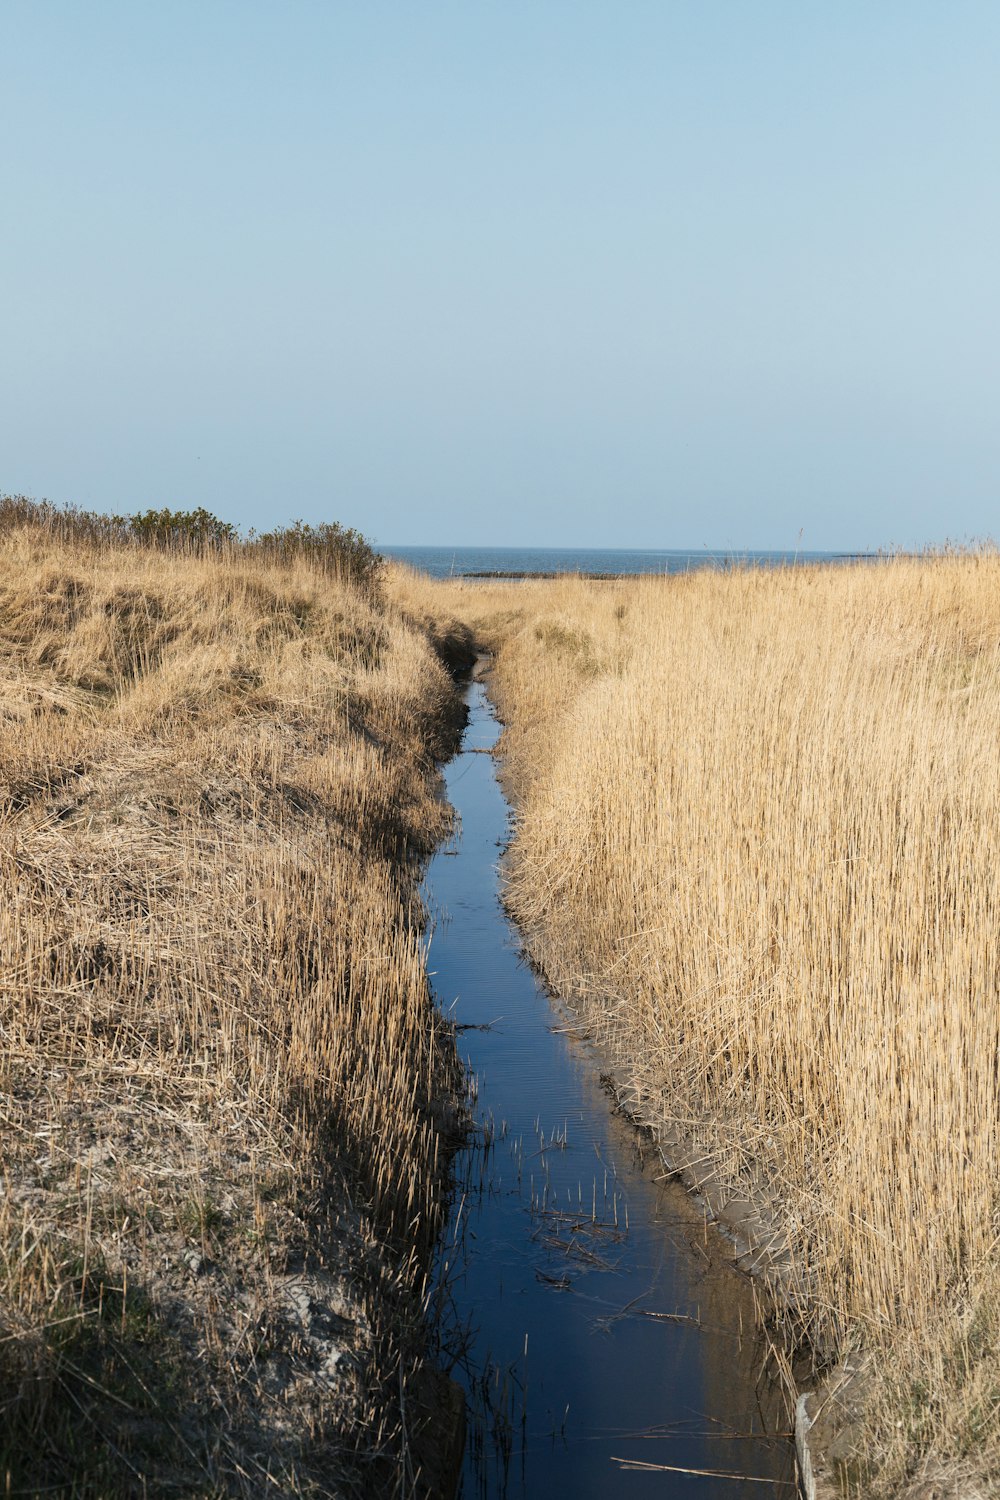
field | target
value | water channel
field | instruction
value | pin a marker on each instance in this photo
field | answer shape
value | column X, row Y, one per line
column 605, row 1343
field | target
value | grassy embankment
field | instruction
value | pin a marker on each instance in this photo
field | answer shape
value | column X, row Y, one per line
column 222, row 1081
column 758, row 823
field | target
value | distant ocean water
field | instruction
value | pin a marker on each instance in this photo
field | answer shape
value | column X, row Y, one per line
column 458, row 562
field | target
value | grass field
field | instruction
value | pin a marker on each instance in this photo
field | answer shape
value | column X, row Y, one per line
column 224, row 1093
column 758, row 817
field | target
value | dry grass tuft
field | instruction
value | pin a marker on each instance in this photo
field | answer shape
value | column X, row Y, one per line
column 221, row 1075
column 758, row 816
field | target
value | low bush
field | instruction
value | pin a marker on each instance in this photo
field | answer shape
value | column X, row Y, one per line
column 337, row 550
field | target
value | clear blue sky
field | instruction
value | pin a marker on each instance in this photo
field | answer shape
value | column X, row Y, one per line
column 658, row 273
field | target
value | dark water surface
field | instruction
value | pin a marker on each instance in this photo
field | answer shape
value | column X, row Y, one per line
column 457, row 562
column 594, row 1317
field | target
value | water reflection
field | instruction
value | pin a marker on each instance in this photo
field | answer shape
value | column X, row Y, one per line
column 605, row 1344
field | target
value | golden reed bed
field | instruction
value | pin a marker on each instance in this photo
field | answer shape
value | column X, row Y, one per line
column 757, row 839
column 221, row 1082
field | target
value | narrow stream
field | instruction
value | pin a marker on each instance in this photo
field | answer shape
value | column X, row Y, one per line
column 595, row 1322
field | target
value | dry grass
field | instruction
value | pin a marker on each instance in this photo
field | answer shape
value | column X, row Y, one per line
column 758, row 823
column 221, row 1076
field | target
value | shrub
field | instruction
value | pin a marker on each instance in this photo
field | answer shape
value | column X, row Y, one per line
column 337, row 550
column 198, row 529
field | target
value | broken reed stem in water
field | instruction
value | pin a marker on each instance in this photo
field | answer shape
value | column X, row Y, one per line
column 639, row 1464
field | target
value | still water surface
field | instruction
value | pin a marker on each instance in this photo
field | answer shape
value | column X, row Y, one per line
column 593, row 1316
column 458, row 562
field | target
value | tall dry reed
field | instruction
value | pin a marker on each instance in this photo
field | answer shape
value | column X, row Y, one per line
column 757, row 834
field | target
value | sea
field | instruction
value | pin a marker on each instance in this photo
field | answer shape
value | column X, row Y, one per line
column 466, row 562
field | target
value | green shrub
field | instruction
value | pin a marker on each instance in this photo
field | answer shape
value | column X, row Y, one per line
column 198, row 529
column 336, row 549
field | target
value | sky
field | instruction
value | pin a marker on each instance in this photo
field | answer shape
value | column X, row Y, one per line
column 638, row 273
